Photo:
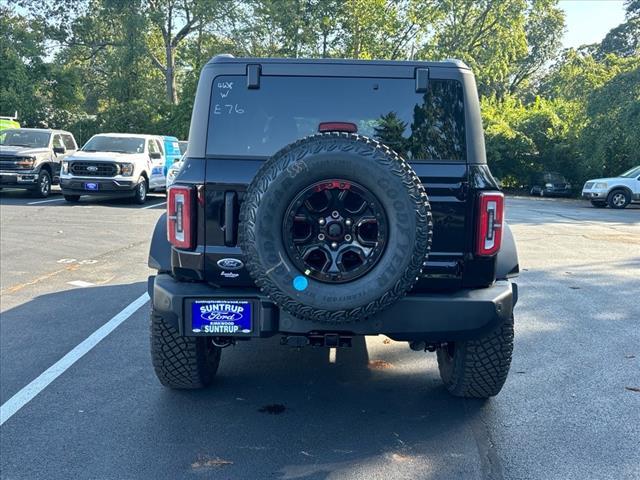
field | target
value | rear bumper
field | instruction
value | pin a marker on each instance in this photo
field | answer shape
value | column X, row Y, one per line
column 432, row 317
column 76, row 186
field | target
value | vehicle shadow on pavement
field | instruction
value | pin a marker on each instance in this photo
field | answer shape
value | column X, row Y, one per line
column 280, row 412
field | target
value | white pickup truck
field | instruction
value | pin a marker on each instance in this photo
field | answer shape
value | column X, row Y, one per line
column 617, row 192
column 115, row 164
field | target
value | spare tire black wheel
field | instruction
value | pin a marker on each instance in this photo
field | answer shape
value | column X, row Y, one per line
column 335, row 228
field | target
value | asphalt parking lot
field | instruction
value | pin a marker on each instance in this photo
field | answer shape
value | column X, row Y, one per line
column 570, row 408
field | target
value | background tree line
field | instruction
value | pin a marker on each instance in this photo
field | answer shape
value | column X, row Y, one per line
column 132, row 65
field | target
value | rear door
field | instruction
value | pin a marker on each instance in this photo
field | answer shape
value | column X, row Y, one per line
column 247, row 125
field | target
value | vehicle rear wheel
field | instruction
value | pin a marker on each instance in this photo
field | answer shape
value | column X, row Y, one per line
column 43, row 187
column 619, row 199
column 140, row 194
column 477, row 368
column 599, row 204
column 72, row 198
column 181, row 362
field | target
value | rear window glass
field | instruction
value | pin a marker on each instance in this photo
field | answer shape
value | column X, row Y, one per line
column 257, row 123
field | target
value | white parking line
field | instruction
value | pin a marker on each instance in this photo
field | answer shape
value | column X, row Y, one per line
column 154, row 205
column 46, row 201
column 81, row 283
column 24, row 396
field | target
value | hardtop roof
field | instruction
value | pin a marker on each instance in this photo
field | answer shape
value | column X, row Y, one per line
column 448, row 63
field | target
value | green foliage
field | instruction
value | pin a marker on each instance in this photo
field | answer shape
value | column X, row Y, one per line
column 390, row 130
column 22, row 68
column 113, row 65
column 611, row 139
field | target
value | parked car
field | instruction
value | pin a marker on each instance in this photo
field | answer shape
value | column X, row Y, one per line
column 115, row 164
column 30, row 158
column 183, row 146
column 550, row 184
column 617, row 192
column 173, row 171
column 292, row 216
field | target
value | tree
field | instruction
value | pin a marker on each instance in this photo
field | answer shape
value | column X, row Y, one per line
column 22, row 68
column 610, row 142
column 174, row 20
column 488, row 35
column 390, row 131
column 543, row 28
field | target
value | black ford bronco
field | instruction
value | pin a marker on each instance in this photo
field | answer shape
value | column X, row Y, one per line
column 324, row 199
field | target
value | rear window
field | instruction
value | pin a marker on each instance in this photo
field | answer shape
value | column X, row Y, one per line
column 257, row 123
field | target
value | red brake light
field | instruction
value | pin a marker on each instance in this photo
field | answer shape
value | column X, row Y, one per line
column 180, row 224
column 337, row 127
column 490, row 218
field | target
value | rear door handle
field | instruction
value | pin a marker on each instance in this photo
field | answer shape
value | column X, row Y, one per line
column 230, row 228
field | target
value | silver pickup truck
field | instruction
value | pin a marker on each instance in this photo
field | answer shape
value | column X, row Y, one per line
column 30, row 158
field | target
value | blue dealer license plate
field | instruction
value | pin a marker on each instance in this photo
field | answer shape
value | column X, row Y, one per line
column 91, row 186
column 221, row 317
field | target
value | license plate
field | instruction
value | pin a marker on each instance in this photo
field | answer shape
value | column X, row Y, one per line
column 91, row 186
column 221, row 317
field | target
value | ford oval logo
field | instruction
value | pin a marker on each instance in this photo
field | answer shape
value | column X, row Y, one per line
column 92, row 168
column 230, row 264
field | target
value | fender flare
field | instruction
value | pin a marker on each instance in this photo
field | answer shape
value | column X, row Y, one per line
column 160, row 248
column 507, row 265
column 620, row 187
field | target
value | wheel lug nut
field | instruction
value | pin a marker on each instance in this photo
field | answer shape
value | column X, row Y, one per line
column 321, row 236
column 334, row 245
column 335, row 214
column 348, row 222
column 347, row 238
column 322, row 221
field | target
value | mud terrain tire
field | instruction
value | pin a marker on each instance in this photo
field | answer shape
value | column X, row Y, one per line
column 477, row 368
column 181, row 362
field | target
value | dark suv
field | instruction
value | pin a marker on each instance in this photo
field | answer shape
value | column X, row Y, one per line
column 325, row 199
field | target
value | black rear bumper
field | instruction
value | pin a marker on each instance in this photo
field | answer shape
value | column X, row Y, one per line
column 432, row 317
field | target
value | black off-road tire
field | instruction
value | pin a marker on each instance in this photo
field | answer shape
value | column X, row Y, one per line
column 352, row 158
column 181, row 362
column 619, row 199
column 599, row 204
column 477, row 368
column 72, row 198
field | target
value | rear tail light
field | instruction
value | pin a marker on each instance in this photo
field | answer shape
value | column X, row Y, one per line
column 180, row 218
column 490, row 218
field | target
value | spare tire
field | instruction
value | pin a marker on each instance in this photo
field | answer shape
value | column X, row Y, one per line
column 335, row 227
